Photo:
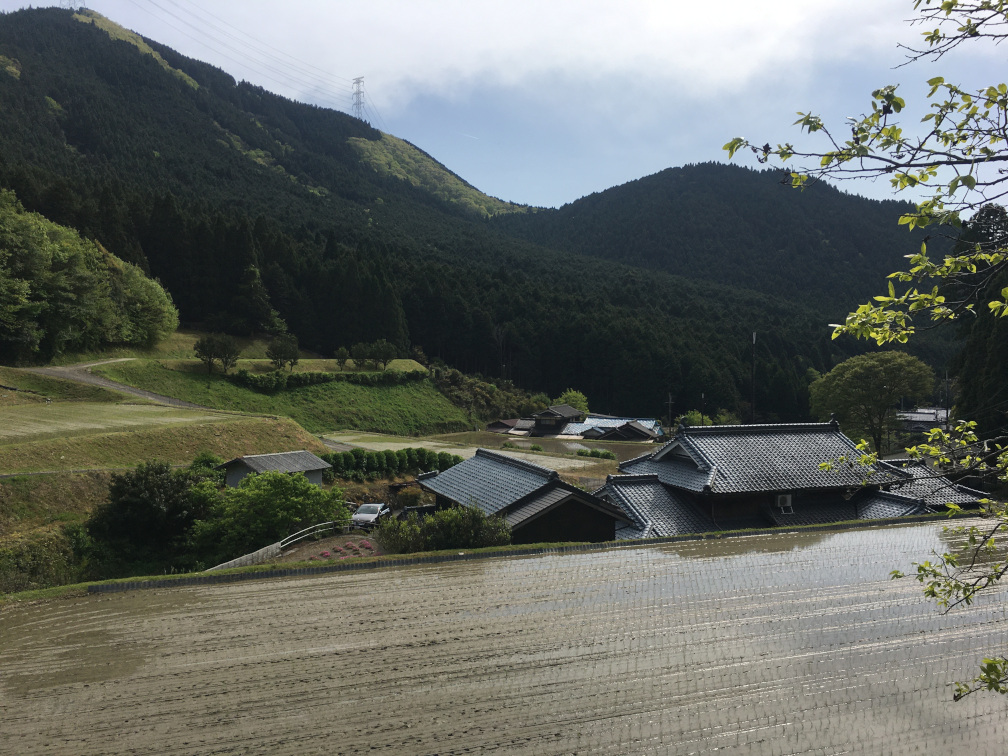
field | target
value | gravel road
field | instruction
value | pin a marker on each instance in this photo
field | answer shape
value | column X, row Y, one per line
column 82, row 374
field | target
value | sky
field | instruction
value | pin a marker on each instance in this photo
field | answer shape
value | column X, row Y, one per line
column 542, row 102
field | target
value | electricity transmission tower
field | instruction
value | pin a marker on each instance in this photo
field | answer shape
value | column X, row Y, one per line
column 358, row 98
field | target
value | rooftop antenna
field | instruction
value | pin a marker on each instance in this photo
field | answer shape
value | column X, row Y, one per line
column 358, row 98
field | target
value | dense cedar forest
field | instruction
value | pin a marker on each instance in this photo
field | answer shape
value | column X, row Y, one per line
column 255, row 212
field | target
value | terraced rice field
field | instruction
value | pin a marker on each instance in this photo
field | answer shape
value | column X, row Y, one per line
column 32, row 422
column 786, row 644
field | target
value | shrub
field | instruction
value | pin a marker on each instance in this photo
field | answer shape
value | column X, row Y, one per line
column 264, row 509
column 596, row 453
column 535, row 447
column 148, row 512
column 39, row 561
column 391, row 462
column 452, row 528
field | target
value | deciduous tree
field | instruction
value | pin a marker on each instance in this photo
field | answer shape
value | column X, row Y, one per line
column 956, row 157
column 864, row 391
column 283, row 350
column 573, row 398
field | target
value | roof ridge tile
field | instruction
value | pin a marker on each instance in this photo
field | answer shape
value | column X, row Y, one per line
column 520, row 463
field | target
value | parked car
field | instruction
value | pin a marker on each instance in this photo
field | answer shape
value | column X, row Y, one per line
column 368, row 514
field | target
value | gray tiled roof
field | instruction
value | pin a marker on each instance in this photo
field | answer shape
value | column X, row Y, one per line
column 656, row 510
column 295, row 461
column 490, row 480
column 936, row 491
column 538, row 503
column 756, row 458
column 683, row 475
column 607, row 423
column 879, row 505
column 561, row 410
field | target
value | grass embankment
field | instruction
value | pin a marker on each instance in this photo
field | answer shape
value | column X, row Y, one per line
column 415, row 408
column 65, row 419
column 21, row 387
column 30, row 503
column 177, row 444
column 35, row 549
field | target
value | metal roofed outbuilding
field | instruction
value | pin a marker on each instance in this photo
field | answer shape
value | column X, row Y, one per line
column 289, row 462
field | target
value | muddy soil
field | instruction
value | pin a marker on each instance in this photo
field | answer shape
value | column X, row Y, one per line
column 338, row 548
column 763, row 645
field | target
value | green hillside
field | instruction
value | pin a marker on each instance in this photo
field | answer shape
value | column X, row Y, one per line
column 737, row 227
column 254, row 211
column 415, row 407
column 390, row 156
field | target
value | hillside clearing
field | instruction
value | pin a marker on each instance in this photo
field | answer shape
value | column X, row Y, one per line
column 412, row 408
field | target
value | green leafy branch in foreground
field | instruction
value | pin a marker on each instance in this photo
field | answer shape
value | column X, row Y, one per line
column 955, row 156
column 956, row 577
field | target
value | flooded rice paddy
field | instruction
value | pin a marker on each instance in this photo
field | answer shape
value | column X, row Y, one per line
column 785, row 644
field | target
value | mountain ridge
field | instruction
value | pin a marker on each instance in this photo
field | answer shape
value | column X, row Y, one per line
column 247, row 205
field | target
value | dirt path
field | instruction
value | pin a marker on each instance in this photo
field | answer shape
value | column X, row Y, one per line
column 760, row 645
column 82, row 374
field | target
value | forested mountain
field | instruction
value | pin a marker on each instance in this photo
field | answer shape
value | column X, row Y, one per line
column 734, row 226
column 255, row 211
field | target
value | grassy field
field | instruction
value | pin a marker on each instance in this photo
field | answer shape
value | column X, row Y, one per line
column 33, row 422
column 413, row 409
column 176, row 443
column 21, row 387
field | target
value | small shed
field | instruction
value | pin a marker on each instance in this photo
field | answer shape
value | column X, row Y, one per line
column 532, row 499
column 288, row 462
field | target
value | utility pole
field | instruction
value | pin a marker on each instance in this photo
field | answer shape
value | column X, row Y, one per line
column 358, row 98
column 752, row 399
column 948, row 402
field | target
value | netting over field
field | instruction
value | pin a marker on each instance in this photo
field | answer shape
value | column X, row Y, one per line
column 785, row 644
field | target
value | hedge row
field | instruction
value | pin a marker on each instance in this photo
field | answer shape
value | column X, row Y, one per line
column 278, row 380
column 596, row 453
column 359, row 462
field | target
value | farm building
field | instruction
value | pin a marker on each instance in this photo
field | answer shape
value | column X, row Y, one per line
column 606, row 428
column 552, row 420
column 756, row 476
column 532, row 499
column 288, row 462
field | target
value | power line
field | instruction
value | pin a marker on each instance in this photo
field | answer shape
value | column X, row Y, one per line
column 290, row 73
